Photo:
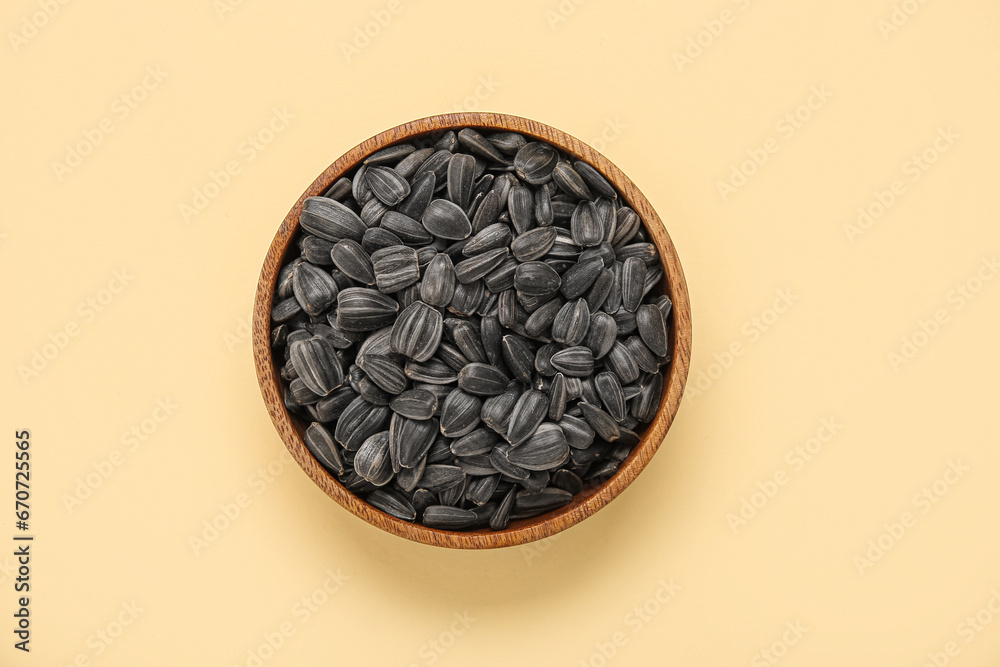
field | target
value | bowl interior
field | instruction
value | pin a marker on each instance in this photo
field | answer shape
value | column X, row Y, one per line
column 587, row 501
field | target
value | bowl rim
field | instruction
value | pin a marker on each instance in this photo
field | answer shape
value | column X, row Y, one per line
column 587, row 502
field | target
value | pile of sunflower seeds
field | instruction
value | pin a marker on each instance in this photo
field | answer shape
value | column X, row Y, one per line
column 471, row 328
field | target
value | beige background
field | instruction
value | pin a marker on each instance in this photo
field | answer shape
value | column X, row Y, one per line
column 175, row 331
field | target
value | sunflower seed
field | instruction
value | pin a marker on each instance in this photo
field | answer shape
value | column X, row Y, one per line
column 496, row 409
column 432, row 371
column 461, row 173
column 557, row 397
column 446, row 517
column 332, row 407
column 317, row 365
column 340, row 189
column 477, row 465
column 644, row 251
column 360, row 420
column 378, row 237
column 621, row 362
column 438, row 477
column 301, row 394
column 362, row 309
column 603, row 424
column 452, row 356
column 314, row 289
column 507, row 142
column 491, row 336
column 316, row 250
column 372, row 212
column 665, row 306
column 422, row 499
column 474, row 268
column 446, row 220
column 571, row 323
column 497, row 235
column 501, row 517
column 390, row 154
column 627, row 224
column 414, row 404
column 330, row 220
column 533, row 503
column 417, row 332
column 544, row 215
column 410, row 440
column 633, row 281
column 535, row 161
column 579, row 277
column 575, row 361
column 372, row 460
column 594, row 179
column 436, row 164
column 499, row 461
column 321, row 444
column 459, row 414
column 536, row 278
column 468, row 297
column 645, row 406
column 546, row 449
column 395, row 268
column 578, row 432
column 570, row 182
column 410, row 163
column 609, row 390
column 384, row 372
column 285, row 310
column 350, row 257
column 528, row 413
column 487, row 212
column 518, row 357
column 585, row 225
column 521, row 204
column 481, row 489
column 478, row 144
column 480, row 441
column 539, row 322
column 393, row 503
column 482, row 380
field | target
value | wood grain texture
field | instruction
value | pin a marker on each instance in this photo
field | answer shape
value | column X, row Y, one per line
column 585, row 503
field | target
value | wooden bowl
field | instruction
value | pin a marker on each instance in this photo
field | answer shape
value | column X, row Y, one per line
column 589, row 500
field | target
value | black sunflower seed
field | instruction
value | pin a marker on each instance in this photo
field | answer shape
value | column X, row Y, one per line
column 362, row 309
column 350, row 257
column 571, row 323
column 314, row 288
column 324, row 448
column 528, row 413
column 392, row 502
column 535, row 161
column 460, row 414
column 461, row 174
column 482, row 380
column 446, row 517
column 577, row 361
column 417, row 331
column 330, row 220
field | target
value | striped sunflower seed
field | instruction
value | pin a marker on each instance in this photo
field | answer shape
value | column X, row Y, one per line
column 482, row 380
column 415, row 404
column 408, row 230
column 481, row 489
column 317, row 365
column 372, row 460
column 579, row 277
column 621, row 362
column 571, row 323
column 603, row 424
column 438, row 286
column 609, row 390
column 539, row 322
column 330, row 220
column 578, row 432
column 438, row 477
column 633, row 282
column 544, row 450
column 628, row 224
column 577, row 361
column 362, row 309
column 646, row 404
column 501, row 516
column 322, row 446
column 585, row 225
column 557, row 397
column 446, row 517
column 395, row 268
column 536, row 278
column 446, row 220
column 477, row 144
column 594, row 179
column 528, row 413
column 535, row 161
column 460, row 414
column 475, row 268
column 360, row 420
column 350, row 257
column 518, row 357
column 384, row 372
column 461, row 174
column 378, row 237
column 417, row 332
column 314, row 288
column 480, row 441
column 393, row 503
column 410, row 440
column 497, row 235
